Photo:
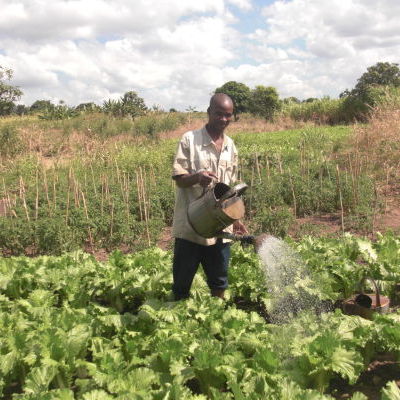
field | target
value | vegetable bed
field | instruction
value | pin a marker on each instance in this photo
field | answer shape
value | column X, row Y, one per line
column 75, row 328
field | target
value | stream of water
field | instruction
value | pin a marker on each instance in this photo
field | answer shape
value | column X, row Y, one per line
column 288, row 281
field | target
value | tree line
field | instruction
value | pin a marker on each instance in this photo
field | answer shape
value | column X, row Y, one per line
column 262, row 101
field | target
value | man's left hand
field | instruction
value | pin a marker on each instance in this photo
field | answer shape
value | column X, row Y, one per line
column 239, row 228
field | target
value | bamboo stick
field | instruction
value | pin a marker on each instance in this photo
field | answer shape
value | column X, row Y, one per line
column 293, row 193
column 6, row 200
column 126, row 186
column 375, row 208
column 87, row 218
column 22, row 191
column 139, row 195
column 93, row 180
column 68, row 197
column 146, row 212
column 46, row 189
column 102, row 195
column 251, row 197
column 280, row 164
column 54, row 191
column 340, row 198
column 37, row 193
column 353, row 183
column 112, row 218
column 117, row 169
column 257, row 167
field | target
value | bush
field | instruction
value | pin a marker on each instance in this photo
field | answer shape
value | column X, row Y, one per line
column 264, row 101
column 276, row 222
column 10, row 142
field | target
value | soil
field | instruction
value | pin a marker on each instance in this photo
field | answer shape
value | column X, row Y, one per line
column 383, row 369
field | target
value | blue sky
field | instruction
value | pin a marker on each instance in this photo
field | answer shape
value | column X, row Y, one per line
column 174, row 53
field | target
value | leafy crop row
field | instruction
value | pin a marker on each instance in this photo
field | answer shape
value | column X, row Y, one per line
column 72, row 327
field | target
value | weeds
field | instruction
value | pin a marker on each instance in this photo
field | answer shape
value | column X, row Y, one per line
column 94, row 190
column 10, row 142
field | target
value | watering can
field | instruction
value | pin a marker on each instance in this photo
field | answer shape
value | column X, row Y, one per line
column 218, row 207
column 364, row 304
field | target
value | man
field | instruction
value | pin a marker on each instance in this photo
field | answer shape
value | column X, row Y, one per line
column 203, row 156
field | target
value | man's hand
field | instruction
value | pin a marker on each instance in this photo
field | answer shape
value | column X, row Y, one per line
column 205, row 178
column 239, row 228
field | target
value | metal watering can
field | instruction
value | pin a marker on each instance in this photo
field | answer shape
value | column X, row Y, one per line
column 218, row 207
column 364, row 304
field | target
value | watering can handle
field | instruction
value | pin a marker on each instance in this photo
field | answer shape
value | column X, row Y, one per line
column 205, row 188
column 378, row 297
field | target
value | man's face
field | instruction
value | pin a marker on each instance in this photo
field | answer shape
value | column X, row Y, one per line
column 220, row 115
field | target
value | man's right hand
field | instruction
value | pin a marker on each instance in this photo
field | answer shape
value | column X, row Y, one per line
column 205, row 178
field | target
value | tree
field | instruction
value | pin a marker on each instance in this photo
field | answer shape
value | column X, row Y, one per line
column 240, row 95
column 8, row 93
column 41, row 106
column 130, row 104
column 133, row 105
column 289, row 100
column 21, row 109
column 88, row 107
column 380, row 74
column 264, row 101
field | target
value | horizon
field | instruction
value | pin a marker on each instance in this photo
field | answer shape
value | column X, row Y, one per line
column 174, row 54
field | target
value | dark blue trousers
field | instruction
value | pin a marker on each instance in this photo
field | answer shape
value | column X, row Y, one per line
column 187, row 258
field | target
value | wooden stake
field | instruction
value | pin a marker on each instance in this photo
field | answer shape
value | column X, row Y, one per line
column 22, row 192
column 251, row 197
column 146, row 211
column 6, row 199
column 46, row 188
column 54, row 191
column 37, row 193
column 112, row 218
column 257, row 167
column 375, row 208
column 93, row 180
column 87, row 218
column 102, row 195
column 139, row 195
column 340, row 197
column 293, row 193
column 68, row 196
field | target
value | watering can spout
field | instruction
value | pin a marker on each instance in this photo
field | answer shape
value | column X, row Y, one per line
column 245, row 240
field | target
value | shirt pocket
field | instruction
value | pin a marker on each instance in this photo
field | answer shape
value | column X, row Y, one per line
column 199, row 164
column 225, row 171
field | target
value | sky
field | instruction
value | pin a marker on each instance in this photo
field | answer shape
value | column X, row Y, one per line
column 175, row 53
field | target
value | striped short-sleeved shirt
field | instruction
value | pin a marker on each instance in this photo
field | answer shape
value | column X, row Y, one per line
column 196, row 152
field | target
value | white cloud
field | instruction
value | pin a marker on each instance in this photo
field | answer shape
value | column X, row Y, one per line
column 243, row 4
column 336, row 41
column 175, row 53
column 169, row 48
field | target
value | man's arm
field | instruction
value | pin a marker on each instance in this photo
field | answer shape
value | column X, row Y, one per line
column 203, row 178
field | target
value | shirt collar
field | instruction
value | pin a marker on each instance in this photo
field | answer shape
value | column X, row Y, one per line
column 207, row 139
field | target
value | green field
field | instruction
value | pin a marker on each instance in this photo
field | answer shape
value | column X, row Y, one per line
column 121, row 194
column 75, row 328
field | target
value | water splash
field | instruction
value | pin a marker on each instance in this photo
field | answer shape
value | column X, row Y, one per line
column 288, row 281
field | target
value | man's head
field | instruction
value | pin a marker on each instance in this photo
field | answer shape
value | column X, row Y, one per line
column 219, row 112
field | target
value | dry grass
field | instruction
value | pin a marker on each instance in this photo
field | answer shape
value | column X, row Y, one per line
column 54, row 145
column 251, row 124
column 379, row 140
column 246, row 123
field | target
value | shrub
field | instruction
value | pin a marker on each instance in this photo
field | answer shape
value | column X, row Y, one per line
column 10, row 142
column 275, row 221
column 264, row 101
